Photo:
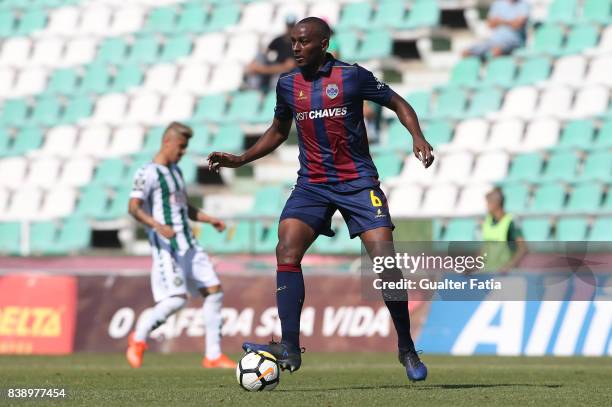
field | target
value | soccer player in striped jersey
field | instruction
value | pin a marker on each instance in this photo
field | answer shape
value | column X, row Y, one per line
column 159, row 201
column 324, row 97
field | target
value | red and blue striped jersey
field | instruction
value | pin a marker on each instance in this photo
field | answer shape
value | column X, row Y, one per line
column 328, row 112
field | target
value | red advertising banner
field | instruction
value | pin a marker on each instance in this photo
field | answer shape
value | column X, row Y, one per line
column 37, row 314
column 335, row 317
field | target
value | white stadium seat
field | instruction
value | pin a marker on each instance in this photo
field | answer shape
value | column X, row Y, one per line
column 599, row 71
column 110, row 108
column 144, row 108
column 541, row 134
column 126, row 140
column 5, row 195
column 47, row 52
column 30, row 82
column 44, row 172
column 193, row 78
column 226, row 77
column 127, row 20
column 25, row 204
column 555, row 102
column 256, row 17
column 472, row 200
column 79, row 51
column 470, row 135
column 506, row 135
column 413, row 171
column 77, row 172
column 569, row 70
column 58, row 203
column 519, row 102
column 177, row 107
column 329, row 11
column 439, row 201
column 60, row 141
column 96, row 20
column 406, row 200
column 7, row 79
column 242, row 48
column 590, row 101
column 16, row 52
column 296, row 9
column 209, row 48
column 160, row 78
column 13, row 172
column 490, row 167
column 94, row 141
column 455, row 168
column 605, row 43
column 63, row 21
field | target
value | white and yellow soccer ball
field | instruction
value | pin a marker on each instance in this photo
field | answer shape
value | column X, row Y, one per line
column 258, row 371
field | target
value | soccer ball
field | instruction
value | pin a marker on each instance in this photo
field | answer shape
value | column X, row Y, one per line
column 258, row 371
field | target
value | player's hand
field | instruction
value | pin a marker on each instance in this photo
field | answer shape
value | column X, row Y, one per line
column 423, row 151
column 218, row 224
column 217, row 160
column 165, row 230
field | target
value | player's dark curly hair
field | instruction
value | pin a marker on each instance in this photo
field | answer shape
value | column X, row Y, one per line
column 322, row 27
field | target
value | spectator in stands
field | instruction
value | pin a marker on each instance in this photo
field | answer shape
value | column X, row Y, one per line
column 499, row 228
column 277, row 59
column 507, row 20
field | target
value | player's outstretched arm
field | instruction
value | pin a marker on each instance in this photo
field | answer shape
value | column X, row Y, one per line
column 407, row 116
column 276, row 134
column 197, row 215
column 135, row 209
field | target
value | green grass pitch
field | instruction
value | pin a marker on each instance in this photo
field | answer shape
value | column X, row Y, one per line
column 350, row 379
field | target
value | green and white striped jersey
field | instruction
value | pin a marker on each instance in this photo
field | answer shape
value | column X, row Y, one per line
column 163, row 192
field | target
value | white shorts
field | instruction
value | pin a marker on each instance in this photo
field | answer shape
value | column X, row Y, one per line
column 181, row 274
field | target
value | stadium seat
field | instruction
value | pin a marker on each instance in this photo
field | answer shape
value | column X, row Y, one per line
column 192, row 19
column 439, row 201
column 554, row 102
column 112, row 51
column 581, row 38
column 500, row 71
column 58, row 203
column 472, row 200
column 577, row 134
column 536, row 229
column 80, row 51
column 484, row 101
column 388, row 164
column 25, row 204
column 525, row 167
column 60, row 141
column 7, row 79
column 519, row 102
column 242, row 48
column 420, row 101
column 126, row 140
column 144, row 108
column 119, row 200
column 243, row 107
column 389, row 14
column 13, row 171
column 422, row 14
column 585, row 198
column 127, row 20
column 562, row 11
column 15, row 112
column 599, row 71
column 110, row 172
column 30, row 81
column 144, row 50
column 47, row 52
column 74, row 235
column 571, row 229
column 93, row 141
column 128, row 76
column 348, row 43
column 269, row 201
column 266, row 113
column 209, row 48
column 177, row 107
column 5, row 141
column 160, row 78
column 93, row 202
column 569, row 70
column 548, row 198
column 397, row 140
column 405, row 200
column 541, row 134
column 78, row 108
column 355, row 15
column 547, row 40
column 96, row 79
column 63, row 21
column 226, row 77
column 597, row 167
column 189, row 169
column 63, row 82
column 10, row 237
column 31, row 21
column 26, row 139
column 560, row 166
column 16, row 52
column 176, row 47
column 597, row 11
column 466, row 72
column 211, row 108
column 376, row 44
column 516, row 196
column 600, row 231
column 266, row 237
column 456, row 168
column 604, row 136
column 7, row 23
column 43, row 173
column 439, row 132
column 153, row 140
column 459, row 230
column 223, row 16
column 193, row 78
column 229, row 138
column 209, row 238
column 77, row 172
column 470, row 135
column 590, row 101
column 449, row 103
column 329, row 10
column 95, row 20
column 46, row 111
column 532, row 71
column 491, row 166
column 160, row 20
column 285, row 9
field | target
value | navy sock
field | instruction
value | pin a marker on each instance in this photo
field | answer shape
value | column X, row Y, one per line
column 289, row 300
column 401, row 321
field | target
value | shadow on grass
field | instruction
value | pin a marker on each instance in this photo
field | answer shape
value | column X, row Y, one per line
column 425, row 387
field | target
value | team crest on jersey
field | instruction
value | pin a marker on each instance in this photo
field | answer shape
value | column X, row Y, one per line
column 332, row 90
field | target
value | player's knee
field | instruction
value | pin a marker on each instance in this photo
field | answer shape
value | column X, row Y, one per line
column 286, row 254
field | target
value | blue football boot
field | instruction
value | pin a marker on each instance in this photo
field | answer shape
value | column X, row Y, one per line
column 286, row 357
column 415, row 369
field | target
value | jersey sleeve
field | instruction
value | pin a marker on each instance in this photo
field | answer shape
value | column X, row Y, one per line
column 142, row 184
column 371, row 88
column 514, row 232
column 282, row 110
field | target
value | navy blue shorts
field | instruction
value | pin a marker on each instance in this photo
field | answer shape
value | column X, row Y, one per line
column 361, row 202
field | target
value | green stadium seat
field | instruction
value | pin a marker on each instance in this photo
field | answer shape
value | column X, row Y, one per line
column 153, row 140
column 138, row 160
column 112, row 51
column 420, row 101
column 398, row 140
column 266, row 237
column 348, row 42
column 144, row 50
column 597, row 11
column 14, row 112
column 128, row 76
column 466, row 72
column 209, row 238
column 269, row 201
column 160, row 20
column 10, row 237
column 26, row 139
column 7, row 23
column 110, row 172
column 580, row 38
column 604, row 136
column 577, row 134
column 500, row 71
column 562, row 11
column 485, row 100
column 75, row 235
column 189, row 169
column 229, row 138
column 119, row 201
column 266, row 113
column 571, row 229
column 176, row 47
column 450, row 103
column 46, row 111
column 5, row 142
column 533, row 70
column 96, row 79
column 423, row 13
column 63, row 82
column 42, row 237
column 355, row 15
column 93, row 202
column 601, row 231
column 223, row 16
column 585, row 198
column 597, row 167
column 438, row 132
column 238, row 238
column 460, row 230
column 33, row 20
column 548, row 39
column 516, row 196
column 192, row 19
column 389, row 14
column 388, row 164
column 560, row 166
column 375, row 45
column 80, row 107
column 210, row 108
column 243, row 107
column 548, row 198
column 536, row 229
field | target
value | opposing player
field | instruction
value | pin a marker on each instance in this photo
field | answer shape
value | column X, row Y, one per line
column 325, row 98
column 159, row 201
